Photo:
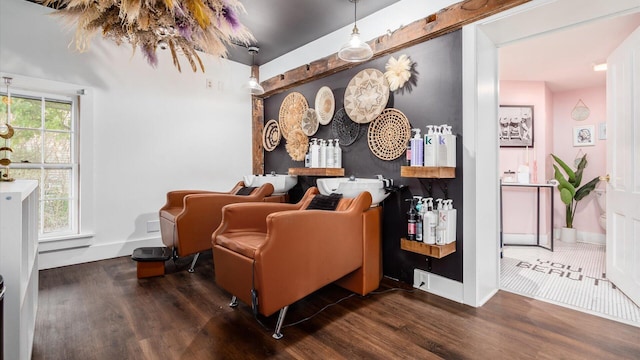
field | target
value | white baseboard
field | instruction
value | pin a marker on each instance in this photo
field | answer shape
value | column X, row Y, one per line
column 83, row 253
column 438, row 285
column 585, row 237
column 524, row 239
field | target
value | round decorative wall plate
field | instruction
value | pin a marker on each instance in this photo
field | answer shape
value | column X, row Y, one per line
column 325, row 105
column 292, row 109
column 271, row 135
column 388, row 134
column 310, row 122
column 297, row 145
column 366, row 95
column 344, row 129
column 580, row 112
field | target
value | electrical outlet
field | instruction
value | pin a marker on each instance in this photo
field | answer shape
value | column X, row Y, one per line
column 420, row 279
column 153, row 226
column 209, row 84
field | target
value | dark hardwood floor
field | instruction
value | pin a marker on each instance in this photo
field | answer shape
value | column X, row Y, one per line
column 100, row 310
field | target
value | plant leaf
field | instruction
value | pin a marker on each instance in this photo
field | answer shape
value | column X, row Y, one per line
column 586, row 189
column 581, row 165
column 570, row 173
column 563, row 184
column 565, row 196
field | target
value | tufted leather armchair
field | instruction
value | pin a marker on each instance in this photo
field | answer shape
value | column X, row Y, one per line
column 189, row 217
column 272, row 255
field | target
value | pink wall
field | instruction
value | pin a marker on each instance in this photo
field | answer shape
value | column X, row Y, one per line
column 595, row 98
column 519, row 205
column 553, row 133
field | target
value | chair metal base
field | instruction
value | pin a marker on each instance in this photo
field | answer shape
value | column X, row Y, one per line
column 234, row 301
column 193, row 263
column 277, row 334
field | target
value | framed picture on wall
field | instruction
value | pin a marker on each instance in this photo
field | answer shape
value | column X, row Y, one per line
column 515, row 125
column 584, row 135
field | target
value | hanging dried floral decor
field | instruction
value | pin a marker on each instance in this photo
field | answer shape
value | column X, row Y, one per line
column 182, row 26
column 398, row 71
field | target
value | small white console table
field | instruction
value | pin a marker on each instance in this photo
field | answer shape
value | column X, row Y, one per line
column 537, row 187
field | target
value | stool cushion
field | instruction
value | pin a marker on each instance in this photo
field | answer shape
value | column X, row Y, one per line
column 148, row 254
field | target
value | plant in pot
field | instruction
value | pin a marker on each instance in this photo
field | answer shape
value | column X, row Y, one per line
column 571, row 192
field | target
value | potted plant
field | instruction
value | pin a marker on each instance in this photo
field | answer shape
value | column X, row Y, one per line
column 571, row 192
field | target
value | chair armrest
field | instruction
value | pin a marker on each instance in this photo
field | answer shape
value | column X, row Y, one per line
column 249, row 216
column 304, row 251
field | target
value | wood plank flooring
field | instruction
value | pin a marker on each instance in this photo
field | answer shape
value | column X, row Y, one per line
column 100, row 310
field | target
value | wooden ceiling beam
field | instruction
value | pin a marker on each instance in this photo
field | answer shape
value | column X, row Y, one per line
column 442, row 22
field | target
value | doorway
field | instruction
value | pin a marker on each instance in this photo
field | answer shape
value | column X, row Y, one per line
column 553, row 74
column 481, row 42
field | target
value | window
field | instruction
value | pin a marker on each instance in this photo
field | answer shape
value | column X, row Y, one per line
column 44, row 149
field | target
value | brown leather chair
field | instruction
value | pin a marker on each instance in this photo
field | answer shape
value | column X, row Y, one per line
column 189, row 217
column 272, row 255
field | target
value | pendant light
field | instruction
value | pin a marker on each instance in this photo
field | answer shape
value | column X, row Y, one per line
column 254, row 86
column 355, row 50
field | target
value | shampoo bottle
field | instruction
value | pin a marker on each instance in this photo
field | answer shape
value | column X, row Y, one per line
column 331, row 153
column 412, row 218
column 315, row 153
column 419, row 223
column 430, row 223
column 417, row 151
column 338, row 155
column 442, row 146
column 451, row 222
column 430, row 149
column 450, row 141
column 323, row 153
column 408, row 162
column 441, row 229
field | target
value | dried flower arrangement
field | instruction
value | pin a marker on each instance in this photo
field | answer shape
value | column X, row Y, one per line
column 183, row 26
column 398, row 71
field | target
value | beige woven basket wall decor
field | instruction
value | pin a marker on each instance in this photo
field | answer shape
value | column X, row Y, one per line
column 310, row 122
column 366, row 96
column 292, row 109
column 325, row 105
column 271, row 135
column 388, row 134
column 297, row 145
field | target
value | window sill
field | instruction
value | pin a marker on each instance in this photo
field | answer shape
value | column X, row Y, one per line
column 64, row 242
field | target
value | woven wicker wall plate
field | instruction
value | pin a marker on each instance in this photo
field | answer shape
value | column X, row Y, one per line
column 292, row 109
column 344, row 129
column 325, row 105
column 366, row 95
column 310, row 122
column 271, row 135
column 580, row 112
column 388, row 134
column 297, row 145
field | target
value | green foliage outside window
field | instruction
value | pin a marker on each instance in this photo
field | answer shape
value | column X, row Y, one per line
column 42, row 150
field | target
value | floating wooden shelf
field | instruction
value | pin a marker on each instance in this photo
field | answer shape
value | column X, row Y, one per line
column 428, row 172
column 435, row 251
column 317, row 171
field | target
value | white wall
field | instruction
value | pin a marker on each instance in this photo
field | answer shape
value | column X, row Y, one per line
column 152, row 130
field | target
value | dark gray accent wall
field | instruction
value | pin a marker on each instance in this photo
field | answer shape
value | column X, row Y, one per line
column 433, row 97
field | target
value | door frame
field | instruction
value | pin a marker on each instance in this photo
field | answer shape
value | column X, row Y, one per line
column 480, row 43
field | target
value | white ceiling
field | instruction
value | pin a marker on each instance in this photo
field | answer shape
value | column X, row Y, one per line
column 564, row 59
